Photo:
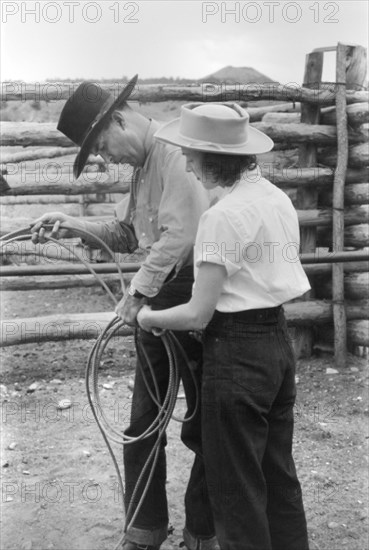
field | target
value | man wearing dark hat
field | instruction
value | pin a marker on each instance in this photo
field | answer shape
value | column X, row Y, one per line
column 161, row 217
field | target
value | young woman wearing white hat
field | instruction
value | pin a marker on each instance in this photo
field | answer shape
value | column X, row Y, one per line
column 246, row 267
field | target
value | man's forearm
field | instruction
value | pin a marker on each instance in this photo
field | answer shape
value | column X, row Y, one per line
column 110, row 232
column 158, row 265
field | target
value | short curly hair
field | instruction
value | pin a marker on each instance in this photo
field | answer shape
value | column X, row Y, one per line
column 226, row 170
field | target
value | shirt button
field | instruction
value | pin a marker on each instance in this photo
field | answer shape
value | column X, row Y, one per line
column 143, row 234
column 142, row 181
column 150, row 220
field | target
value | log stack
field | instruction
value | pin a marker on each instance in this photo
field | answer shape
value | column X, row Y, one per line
column 321, row 194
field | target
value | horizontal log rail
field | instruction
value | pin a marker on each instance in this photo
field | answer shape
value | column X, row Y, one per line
column 357, row 114
column 51, row 282
column 43, row 183
column 358, row 332
column 92, row 209
column 80, row 269
column 25, row 283
column 320, row 257
column 80, row 326
column 27, row 183
column 53, row 170
column 7, row 224
column 322, row 217
column 35, row 134
column 257, row 113
column 356, row 236
column 320, row 312
column 45, row 134
column 50, row 251
column 327, row 157
column 90, row 325
column 21, row 200
column 72, row 189
column 324, row 269
column 65, row 269
column 358, row 156
column 355, row 215
column 49, row 153
column 318, row 134
column 53, row 91
column 356, row 286
column 354, row 193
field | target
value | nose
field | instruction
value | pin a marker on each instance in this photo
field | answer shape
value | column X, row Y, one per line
column 105, row 156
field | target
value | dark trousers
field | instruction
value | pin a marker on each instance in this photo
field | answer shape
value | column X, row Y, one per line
column 248, row 394
column 150, row 526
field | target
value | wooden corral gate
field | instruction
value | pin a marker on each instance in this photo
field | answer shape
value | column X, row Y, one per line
column 320, row 159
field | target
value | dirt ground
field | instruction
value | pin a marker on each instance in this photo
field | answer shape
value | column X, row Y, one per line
column 59, row 486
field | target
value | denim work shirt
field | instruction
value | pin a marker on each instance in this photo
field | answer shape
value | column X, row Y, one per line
column 164, row 207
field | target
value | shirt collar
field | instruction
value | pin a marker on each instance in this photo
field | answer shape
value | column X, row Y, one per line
column 150, row 142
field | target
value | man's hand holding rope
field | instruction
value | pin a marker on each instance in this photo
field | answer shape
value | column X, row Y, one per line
column 128, row 308
column 38, row 229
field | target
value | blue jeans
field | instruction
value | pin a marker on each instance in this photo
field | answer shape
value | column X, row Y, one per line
column 150, row 526
column 248, row 394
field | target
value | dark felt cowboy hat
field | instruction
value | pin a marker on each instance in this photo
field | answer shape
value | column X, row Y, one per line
column 85, row 114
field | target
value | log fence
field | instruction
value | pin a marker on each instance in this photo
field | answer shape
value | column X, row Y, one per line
column 324, row 95
column 321, row 160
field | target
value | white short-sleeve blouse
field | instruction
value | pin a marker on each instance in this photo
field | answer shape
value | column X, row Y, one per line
column 254, row 232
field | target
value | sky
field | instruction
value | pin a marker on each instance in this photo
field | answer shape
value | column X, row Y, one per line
column 191, row 39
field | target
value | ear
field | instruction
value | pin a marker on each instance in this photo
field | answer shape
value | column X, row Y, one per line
column 118, row 118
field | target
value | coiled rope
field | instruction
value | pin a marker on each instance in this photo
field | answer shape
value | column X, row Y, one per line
column 175, row 353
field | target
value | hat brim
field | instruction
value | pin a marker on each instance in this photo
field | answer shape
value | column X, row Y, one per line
column 98, row 125
column 257, row 142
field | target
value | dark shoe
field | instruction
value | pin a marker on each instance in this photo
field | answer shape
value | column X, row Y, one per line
column 214, row 547
column 204, row 544
column 135, row 546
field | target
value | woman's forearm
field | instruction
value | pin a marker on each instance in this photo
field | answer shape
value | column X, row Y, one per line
column 183, row 317
column 194, row 315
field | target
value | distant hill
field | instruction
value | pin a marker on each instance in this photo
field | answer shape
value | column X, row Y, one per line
column 227, row 75
column 233, row 75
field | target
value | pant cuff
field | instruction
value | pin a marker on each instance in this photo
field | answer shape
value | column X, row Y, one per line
column 195, row 543
column 151, row 537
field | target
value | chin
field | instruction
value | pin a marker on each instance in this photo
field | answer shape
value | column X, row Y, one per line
column 208, row 184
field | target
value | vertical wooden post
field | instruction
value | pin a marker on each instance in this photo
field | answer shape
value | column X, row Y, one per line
column 83, row 201
column 338, row 297
column 308, row 197
column 356, row 67
column 350, row 74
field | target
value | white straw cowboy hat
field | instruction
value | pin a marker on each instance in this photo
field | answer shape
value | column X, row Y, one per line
column 217, row 128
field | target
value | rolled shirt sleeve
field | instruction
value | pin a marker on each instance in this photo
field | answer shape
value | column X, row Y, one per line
column 116, row 235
